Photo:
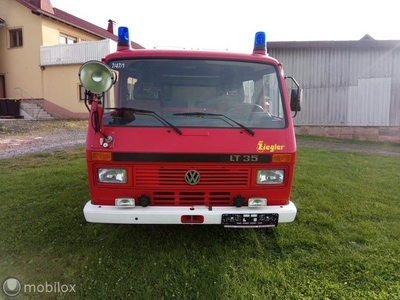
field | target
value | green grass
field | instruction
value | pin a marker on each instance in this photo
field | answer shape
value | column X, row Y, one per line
column 344, row 243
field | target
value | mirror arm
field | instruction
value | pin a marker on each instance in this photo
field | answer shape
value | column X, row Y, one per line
column 88, row 99
column 295, row 82
column 96, row 116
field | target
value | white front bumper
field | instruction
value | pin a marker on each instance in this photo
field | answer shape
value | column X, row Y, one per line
column 173, row 215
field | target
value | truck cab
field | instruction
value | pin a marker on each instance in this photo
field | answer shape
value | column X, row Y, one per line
column 190, row 137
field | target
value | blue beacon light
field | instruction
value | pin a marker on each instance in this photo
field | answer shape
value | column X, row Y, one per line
column 260, row 43
column 123, row 36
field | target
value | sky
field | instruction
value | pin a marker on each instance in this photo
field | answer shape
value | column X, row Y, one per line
column 232, row 24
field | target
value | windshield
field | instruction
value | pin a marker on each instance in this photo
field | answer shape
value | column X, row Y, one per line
column 194, row 93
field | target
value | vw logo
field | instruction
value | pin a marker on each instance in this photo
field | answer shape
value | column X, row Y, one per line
column 192, row 177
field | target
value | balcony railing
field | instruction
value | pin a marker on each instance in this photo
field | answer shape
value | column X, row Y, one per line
column 75, row 53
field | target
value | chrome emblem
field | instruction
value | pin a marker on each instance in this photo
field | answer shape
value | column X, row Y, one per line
column 192, row 177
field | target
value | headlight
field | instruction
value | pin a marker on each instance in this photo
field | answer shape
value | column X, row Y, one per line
column 112, row 175
column 270, row 176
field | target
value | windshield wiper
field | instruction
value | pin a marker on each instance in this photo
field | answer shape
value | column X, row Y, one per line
column 202, row 114
column 150, row 112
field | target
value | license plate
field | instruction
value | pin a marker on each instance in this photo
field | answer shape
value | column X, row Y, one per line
column 249, row 220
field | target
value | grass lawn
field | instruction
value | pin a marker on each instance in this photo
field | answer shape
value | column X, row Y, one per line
column 344, row 243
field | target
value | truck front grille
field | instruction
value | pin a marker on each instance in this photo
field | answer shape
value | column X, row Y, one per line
column 159, row 176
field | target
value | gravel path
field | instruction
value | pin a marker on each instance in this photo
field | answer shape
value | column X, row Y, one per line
column 21, row 137
column 22, row 145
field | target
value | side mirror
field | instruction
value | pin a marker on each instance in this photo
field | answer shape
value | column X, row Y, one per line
column 296, row 96
column 295, row 99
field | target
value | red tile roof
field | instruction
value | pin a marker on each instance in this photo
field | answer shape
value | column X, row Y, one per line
column 45, row 8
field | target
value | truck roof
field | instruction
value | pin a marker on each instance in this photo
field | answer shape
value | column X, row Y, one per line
column 200, row 54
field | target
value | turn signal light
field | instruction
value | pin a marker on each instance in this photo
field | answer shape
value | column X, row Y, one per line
column 281, row 158
column 101, row 156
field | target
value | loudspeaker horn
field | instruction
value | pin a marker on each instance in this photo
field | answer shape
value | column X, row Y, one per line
column 96, row 77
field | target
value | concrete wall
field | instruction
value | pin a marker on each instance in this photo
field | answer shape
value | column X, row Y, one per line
column 364, row 133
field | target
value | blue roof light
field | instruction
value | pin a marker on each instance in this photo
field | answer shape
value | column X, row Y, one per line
column 123, row 36
column 260, row 41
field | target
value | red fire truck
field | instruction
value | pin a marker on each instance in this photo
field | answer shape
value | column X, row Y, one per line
column 190, row 137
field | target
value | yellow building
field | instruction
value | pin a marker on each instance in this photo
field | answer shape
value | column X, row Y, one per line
column 41, row 51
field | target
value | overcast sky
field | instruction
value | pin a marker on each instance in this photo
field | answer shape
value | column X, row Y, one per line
column 231, row 24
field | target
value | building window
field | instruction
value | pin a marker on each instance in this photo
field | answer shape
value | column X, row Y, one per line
column 82, row 91
column 67, row 39
column 15, row 38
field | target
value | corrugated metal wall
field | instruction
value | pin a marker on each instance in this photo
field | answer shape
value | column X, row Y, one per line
column 345, row 87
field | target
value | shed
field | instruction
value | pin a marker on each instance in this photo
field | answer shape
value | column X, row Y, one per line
column 351, row 89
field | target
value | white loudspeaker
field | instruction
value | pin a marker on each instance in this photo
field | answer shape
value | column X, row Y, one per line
column 96, row 77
